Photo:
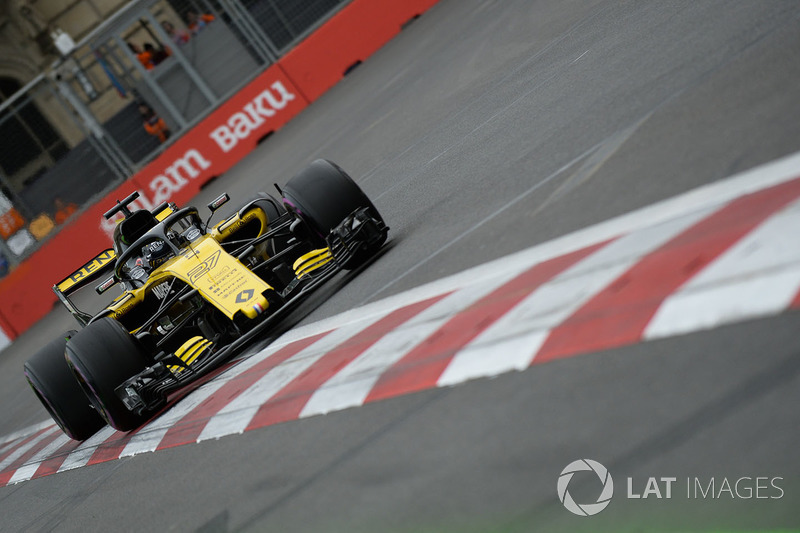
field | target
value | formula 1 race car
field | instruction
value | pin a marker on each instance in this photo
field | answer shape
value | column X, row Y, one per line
column 193, row 294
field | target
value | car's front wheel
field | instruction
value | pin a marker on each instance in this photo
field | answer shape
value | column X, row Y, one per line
column 102, row 356
column 324, row 195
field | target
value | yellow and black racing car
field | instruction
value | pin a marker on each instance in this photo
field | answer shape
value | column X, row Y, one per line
column 193, row 294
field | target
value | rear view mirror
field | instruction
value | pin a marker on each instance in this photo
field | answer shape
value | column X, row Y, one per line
column 107, row 284
column 219, row 202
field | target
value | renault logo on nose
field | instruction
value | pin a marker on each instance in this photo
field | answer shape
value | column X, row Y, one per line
column 244, row 296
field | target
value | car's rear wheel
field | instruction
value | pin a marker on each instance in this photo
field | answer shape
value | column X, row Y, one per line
column 50, row 378
column 323, row 195
column 102, row 356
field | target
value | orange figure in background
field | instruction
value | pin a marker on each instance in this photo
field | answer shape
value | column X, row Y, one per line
column 63, row 211
column 197, row 22
column 144, row 57
column 153, row 124
column 157, row 55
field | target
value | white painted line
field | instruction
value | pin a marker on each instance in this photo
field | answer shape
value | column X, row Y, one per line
column 351, row 385
column 5, row 445
column 512, row 342
column 393, row 81
column 25, row 472
column 378, row 121
column 579, row 57
column 80, row 456
column 757, row 276
column 22, row 450
column 4, row 340
column 745, row 299
column 505, row 354
column 236, row 415
column 26, row 432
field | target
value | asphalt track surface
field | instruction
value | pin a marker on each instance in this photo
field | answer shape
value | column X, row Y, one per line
column 465, row 130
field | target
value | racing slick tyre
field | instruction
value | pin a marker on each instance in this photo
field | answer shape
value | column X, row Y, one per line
column 52, row 381
column 102, row 356
column 274, row 209
column 324, row 195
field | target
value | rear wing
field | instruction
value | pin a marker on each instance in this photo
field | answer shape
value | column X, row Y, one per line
column 102, row 264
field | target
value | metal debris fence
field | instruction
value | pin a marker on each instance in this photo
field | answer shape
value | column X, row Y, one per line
column 124, row 93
